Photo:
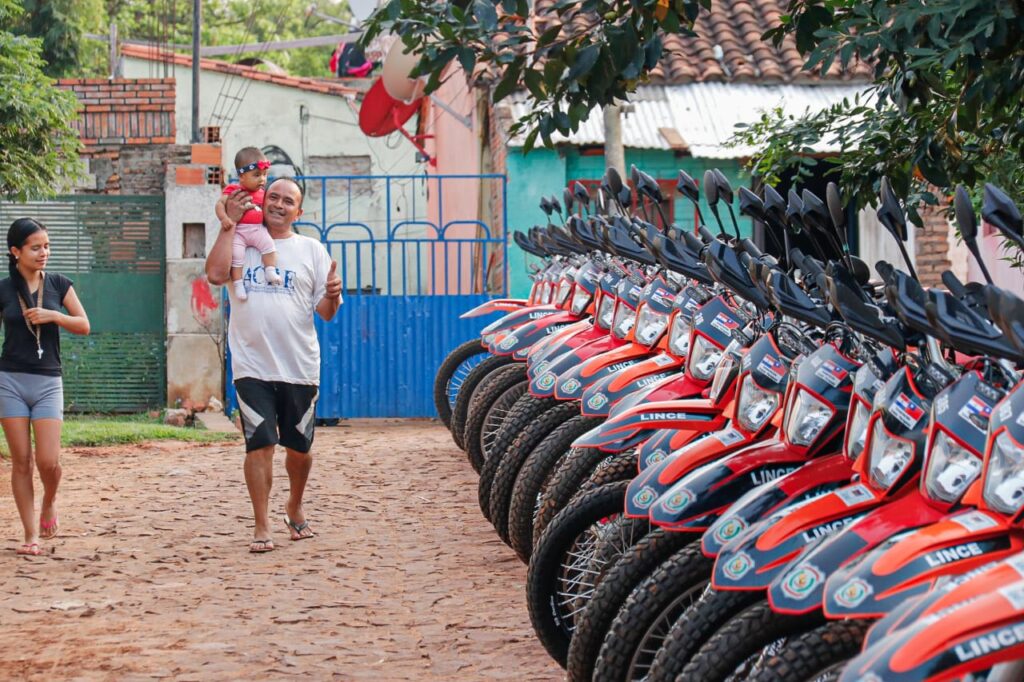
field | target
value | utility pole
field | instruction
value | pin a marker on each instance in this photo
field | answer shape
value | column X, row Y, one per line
column 614, row 152
column 113, row 50
column 197, row 14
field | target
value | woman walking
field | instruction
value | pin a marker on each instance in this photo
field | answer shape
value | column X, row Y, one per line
column 31, row 390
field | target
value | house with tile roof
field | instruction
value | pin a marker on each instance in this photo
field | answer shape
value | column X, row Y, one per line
column 313, row 123
column 684, row 118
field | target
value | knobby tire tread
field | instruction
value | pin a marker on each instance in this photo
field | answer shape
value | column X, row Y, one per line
column 742, row 637
column 534, row 476
column 487, row 393
column 611, row 593
column 808, row 656
column 566, row 480
column 444, row 375
column 465, row 394
column 685, row 570
column 542, row 577
column 508, row 469
column 522, row 413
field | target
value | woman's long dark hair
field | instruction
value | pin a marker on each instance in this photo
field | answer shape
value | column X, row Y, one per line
column 19, row 232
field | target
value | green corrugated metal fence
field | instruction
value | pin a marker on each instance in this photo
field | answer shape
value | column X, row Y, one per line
column 112, row 247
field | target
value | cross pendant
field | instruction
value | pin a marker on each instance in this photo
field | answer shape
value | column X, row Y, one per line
column 40, row 353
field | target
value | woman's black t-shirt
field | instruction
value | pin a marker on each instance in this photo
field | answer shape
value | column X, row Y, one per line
column 19, row 351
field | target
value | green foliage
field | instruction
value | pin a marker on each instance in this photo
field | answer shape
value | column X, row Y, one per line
column 232, row 22
column 594, row 53
column 38, row 146
column 97, row 430
column 944, row 107
column 61, row 25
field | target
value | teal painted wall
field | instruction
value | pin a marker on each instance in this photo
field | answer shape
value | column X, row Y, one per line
column 546, row 172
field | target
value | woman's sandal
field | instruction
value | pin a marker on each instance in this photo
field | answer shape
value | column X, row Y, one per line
column 30, row 549
column 261, row 546
column 48, row 529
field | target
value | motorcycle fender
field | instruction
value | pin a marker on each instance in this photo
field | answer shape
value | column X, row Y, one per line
column 948, row 593
column 664, row 389
column 566, row 338
column 653, row 481
column 571, row 384
column 696, row 414
column 970, row 637
column 598, row 399
column 697, row 500
column 800, row 587
column 816, row 478
column 542, row 384
column 495, row 305
column 656, row 448
column 909, row 564
column 519, row 317
column 520, row 340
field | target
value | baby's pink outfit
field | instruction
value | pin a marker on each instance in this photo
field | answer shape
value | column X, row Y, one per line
column 250, row 230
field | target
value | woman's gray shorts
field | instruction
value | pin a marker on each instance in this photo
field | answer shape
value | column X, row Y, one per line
column 35, row 396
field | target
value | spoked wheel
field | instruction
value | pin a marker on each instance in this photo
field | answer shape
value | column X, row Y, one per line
column 562, row 571
column 640, row 627
column 452, row 373
column 816, row 656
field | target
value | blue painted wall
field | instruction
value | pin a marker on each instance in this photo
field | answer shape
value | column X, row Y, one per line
column 546, row 172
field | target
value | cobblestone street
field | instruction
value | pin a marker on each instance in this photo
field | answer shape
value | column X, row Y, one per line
column 151, row 576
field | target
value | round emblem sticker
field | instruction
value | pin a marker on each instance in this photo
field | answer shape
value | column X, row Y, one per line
column 658, row 455
column 852, row 593
column 546, row 381
column 730, row 529
column 678, row 500
column 571, row 386
column 645, row 497
column 738, row 566
column 507, row 342
column 799, row 583
column 597, row 401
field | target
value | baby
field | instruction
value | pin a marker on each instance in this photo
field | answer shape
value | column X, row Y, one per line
column 251, row 166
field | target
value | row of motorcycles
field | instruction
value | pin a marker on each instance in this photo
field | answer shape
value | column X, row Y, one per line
column 723, row 465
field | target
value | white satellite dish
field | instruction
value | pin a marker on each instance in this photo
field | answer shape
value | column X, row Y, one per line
column 361, row 9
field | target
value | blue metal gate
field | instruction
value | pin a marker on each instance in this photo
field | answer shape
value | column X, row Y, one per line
column 409, row 266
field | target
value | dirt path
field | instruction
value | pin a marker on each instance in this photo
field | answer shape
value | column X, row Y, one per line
column 150, row 577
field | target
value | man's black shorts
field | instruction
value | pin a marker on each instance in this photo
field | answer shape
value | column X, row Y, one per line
column 275, row 412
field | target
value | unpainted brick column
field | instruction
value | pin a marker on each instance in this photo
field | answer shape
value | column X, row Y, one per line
column 931, row 246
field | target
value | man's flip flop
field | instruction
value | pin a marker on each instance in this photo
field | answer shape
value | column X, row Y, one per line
column 261, row 546
column 302, row 530
column 30, row 549
column 48, row 529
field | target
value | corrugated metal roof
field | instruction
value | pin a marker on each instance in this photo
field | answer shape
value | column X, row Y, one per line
column 704, row 114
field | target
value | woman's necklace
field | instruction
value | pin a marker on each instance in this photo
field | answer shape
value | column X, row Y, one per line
column 35, row 330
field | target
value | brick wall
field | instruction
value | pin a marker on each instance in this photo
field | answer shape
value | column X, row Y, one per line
column 931, row 246
column 127, row 131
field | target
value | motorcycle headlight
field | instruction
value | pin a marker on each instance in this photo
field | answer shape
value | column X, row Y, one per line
column 1004, row 481
column 807, row 418
column 564, row 289
column 606, row 311
column 951, row 468
column 580, row 301
column 725, row 372
column 649, row 325
column 625, row 318
column 756, row 405
column 888, row 457
column 679, row 335
column 703, row 358
column 857, row 431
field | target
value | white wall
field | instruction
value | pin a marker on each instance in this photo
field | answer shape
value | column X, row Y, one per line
column 271, row 114
column 877, row 244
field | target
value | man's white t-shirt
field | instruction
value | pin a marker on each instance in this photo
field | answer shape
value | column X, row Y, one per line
column 271, row 334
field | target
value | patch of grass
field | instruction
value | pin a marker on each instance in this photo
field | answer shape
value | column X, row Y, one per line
column 93, row 430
